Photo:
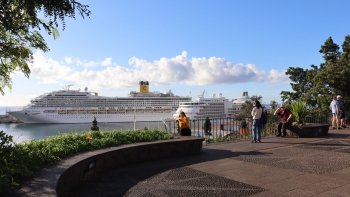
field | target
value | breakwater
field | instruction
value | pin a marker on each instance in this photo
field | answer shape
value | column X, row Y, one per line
column 9, row 119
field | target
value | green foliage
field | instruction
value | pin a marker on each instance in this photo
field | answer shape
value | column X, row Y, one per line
column 19, row 31
column 247, row 106
column 317, row 85
column 207, row 126
column 6, row 151
column 273, row 105
column 299, row 110
column 244, row 124
column 239, row 117
column 20, row 160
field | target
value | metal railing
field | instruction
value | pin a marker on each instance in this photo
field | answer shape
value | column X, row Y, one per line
column 230, row 129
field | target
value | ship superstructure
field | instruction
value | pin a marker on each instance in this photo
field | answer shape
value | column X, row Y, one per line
column 75, row 106
column 215, row 107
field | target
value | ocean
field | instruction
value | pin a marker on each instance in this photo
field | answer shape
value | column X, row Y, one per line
column 25, row 132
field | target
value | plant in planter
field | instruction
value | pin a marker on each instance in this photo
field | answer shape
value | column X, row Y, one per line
column 299, row 128
column 299, row 110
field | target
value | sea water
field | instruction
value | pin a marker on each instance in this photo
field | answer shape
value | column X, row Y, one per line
column 25, row 132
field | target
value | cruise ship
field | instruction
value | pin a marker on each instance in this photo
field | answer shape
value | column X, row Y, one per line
column 215, row 107
column 75, row 106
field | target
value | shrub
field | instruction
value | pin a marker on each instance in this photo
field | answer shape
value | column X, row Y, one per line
column 20, row 160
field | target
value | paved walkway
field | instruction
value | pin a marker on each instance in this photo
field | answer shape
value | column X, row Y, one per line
column 276, row 167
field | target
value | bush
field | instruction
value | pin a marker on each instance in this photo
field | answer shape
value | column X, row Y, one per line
column 20, row 160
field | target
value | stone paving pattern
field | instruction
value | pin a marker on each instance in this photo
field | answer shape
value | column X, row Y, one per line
column 276, row 167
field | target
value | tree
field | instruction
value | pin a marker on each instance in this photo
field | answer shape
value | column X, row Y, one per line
column 273, row 105
column 19, row 35
column 207, row 126
column 317, row 85
column 247, row 106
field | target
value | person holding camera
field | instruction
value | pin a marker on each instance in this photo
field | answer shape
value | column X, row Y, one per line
column 285, row 122
column 184, row 124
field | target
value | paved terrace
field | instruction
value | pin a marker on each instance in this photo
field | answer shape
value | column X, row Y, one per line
column 276, row 167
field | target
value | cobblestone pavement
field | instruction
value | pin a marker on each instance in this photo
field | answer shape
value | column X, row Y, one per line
column 276, row 167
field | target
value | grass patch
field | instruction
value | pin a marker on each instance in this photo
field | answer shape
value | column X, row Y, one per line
column 21, row 160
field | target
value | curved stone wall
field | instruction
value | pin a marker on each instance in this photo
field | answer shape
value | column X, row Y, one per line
column 125, row 155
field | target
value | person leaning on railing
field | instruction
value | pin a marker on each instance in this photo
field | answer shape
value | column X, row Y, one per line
column 285, row 122
column 184, row 124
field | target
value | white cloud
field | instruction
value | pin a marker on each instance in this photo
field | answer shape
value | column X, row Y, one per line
column 86, row 64
column 165, row 71
column 276, row 77
column 68, row 60
column 107, row 62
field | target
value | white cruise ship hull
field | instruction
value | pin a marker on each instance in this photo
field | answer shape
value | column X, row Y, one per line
column 40, row 117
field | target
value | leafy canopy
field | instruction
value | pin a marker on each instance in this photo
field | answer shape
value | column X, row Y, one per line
column 247, row 106
column 317, row 85
column 19, row 31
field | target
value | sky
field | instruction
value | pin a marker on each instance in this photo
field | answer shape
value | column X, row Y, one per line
column 227, row 46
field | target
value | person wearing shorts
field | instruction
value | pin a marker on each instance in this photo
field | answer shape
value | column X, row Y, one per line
column 342, row 112
column 334, row 106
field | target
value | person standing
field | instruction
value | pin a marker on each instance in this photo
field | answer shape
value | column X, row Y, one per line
column 256, row 113
column 335, row 107
column 184, row 124
column 342, row 112
column 285, row 122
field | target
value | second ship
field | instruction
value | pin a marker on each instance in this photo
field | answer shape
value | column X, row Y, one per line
column 213, row 108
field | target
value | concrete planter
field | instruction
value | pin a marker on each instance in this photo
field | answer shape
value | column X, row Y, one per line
column 312, row 130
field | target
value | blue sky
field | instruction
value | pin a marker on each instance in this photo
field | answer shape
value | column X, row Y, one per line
column 223, row 47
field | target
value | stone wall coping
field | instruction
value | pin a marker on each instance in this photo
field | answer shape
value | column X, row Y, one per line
column 86, row 164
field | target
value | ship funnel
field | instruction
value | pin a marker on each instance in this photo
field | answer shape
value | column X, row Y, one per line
column 144, row 87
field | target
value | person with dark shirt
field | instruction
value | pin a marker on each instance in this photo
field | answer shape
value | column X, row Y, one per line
column 285, row 122
column 342, row 112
